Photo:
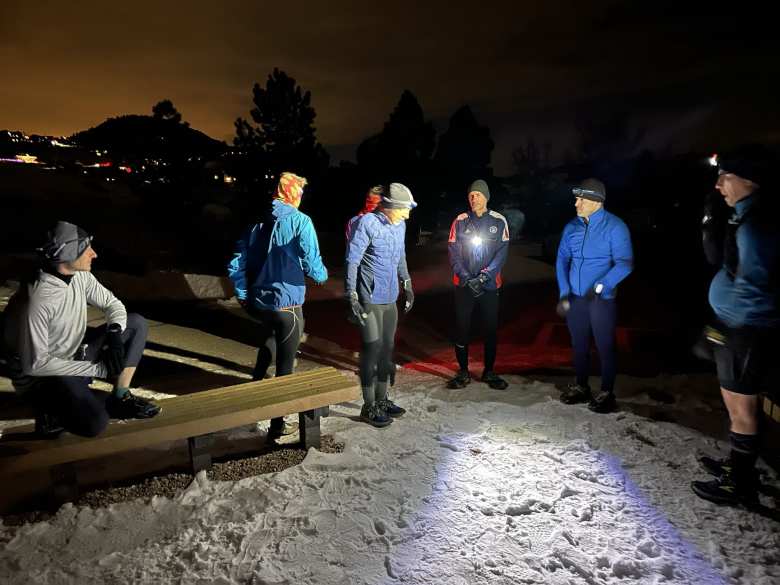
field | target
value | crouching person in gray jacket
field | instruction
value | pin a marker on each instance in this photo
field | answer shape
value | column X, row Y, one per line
column 53, row 356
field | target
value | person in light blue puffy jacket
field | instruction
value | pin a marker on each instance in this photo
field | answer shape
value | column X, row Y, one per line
column 269, row 270
column 375, row 264
column 594, row 256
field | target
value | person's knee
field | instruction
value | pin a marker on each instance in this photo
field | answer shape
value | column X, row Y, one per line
column 137, row 323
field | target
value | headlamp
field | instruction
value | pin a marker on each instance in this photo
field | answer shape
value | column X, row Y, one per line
column 713, row 160
column 476, row 240
column 586, row 193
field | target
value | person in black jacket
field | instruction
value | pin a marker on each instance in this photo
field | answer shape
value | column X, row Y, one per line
column 744, row 297
column 478, row 247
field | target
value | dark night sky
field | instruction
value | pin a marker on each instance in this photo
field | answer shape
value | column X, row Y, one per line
column 690, row 73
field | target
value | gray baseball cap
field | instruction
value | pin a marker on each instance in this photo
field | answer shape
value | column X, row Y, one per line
column 65, row 242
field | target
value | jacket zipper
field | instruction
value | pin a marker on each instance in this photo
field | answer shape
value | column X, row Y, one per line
column 582, row 256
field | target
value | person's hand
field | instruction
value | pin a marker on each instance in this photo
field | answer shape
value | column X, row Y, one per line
column 563, row 306
column 476, row 284
column 408, row 295
column 114, row 350
column 356, row 312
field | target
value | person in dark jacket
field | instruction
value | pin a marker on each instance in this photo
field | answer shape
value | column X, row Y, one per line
column 268, row 270
column 744, row 297
column 375, row 264
column 594, row 256
column 478, row 247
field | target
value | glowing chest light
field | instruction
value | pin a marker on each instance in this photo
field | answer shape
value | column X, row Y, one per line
column 476, row 241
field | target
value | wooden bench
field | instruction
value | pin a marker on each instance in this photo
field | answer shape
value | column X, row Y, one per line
column 194, row 417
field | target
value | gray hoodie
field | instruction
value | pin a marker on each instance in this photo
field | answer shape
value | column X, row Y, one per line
column 46, row 322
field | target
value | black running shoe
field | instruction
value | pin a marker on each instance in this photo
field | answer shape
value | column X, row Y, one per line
column 574, row 393
column 716, row 467
column 721, row 467
column 391, row 408
column 603, row 403
column 492, row 380
column 375, row 416
column 131, row 406
column 461, row 380
column 724, row 491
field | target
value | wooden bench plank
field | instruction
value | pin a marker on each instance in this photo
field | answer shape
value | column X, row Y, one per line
column 183, row 417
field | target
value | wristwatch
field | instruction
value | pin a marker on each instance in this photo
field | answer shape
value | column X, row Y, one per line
column 114, row 328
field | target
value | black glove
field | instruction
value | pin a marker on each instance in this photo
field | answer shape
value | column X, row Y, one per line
column 114, row 350
column 357, row 314
column 563, row 306
column 408, row 295
column 476, row 284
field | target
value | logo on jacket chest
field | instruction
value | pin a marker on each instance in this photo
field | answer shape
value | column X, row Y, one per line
column 493, row 229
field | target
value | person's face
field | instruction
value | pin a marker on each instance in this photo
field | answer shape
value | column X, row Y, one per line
column 733, row 187
column 477, row 202
column 586, row 207
column 397, row 215
column 84, row 262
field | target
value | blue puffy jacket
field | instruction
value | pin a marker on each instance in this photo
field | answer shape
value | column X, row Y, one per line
column 592, row 253
column 376, row 259
column 272, row 258
column 469, row 258
column 746, row 294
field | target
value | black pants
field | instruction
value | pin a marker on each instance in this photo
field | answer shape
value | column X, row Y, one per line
column 70, row 399
column 376, row 353
column 487, row 303
column 599, row 317
column 279, row 339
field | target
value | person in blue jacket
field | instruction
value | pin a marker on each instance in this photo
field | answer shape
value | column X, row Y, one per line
column 375, row 265
column 594, row 256
column 744, row 297
column 268, row 270
column 477, row 248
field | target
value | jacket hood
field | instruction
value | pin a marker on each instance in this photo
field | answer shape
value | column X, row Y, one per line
column 280, row 209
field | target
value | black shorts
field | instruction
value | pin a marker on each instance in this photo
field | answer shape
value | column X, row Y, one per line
column 746, row 367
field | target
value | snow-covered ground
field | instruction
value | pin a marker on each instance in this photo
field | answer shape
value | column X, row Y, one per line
column 473, row 486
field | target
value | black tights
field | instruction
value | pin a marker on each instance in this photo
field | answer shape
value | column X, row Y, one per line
column 376, row 354
column 488, row 312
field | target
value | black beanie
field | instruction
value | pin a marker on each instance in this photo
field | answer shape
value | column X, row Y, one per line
column 482, row 187
column 749, row 162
